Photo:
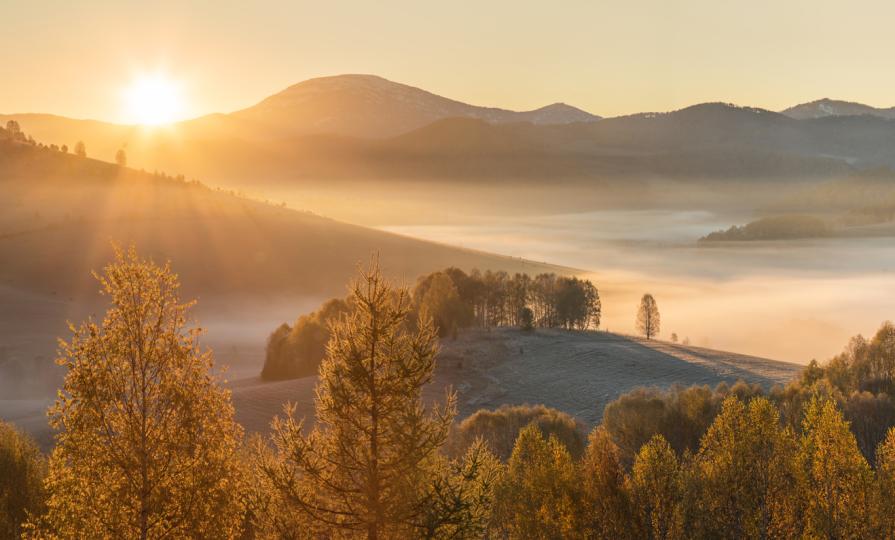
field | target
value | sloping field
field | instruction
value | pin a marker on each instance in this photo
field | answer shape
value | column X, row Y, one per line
column 576, row 372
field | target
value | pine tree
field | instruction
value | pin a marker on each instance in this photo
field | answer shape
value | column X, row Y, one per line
column 360, row 469
column 656, row 486
column 648, row 320
column 146, row 444
column 835, row 478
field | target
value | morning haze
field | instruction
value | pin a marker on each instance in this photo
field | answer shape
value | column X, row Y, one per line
column 590, row 271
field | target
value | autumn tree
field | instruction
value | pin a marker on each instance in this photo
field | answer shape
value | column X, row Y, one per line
column 606, row 505
column 648, row 317
column 538, row 495
column 12, row 126
column 360, row 469
column 437, row 296
column 656, row 487
column 457, row 499
column 834, row 477
column 80, row 149
column 745, row 474
column 885, row 487
column 22, row 471
column 146, row 438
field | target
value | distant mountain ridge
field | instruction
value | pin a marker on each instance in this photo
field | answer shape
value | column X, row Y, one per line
column 826, row 107
column 360, row 127
column 371, row 106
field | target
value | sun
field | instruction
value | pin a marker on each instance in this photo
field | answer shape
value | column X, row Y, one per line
column 153, row 99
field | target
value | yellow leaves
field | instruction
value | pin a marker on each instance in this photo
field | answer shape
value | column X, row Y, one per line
column 148, row 434
column 539, row 493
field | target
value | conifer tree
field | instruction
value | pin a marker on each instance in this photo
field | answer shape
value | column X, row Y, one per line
column 656, row 486
column 538, row 495
column 360, row 469
column 884, row 506
column 22, row 471
column 745, row 473
column 835, row 478
column 147, row 443
column 606, row 504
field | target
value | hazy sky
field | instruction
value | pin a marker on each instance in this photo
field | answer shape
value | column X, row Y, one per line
column 609, row 57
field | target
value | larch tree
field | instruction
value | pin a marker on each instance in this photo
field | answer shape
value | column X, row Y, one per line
column 745, row 469
column 648, row 317
column 360, row 470
column 538, row 496
column 606, row 504
column 146, row 445
column 656, row 488
column 835, row 479
column 22, row 471
column 884, row 506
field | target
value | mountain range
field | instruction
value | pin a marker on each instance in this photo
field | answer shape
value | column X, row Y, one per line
column 362, row 126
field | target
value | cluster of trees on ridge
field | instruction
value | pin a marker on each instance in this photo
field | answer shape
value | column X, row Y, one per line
column 14, row 132
column 454, row 300
column 147, row 445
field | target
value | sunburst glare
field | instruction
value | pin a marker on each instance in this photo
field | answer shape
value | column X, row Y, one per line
column 153, row 99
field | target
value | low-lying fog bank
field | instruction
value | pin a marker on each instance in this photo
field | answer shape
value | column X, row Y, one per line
column 790, row 300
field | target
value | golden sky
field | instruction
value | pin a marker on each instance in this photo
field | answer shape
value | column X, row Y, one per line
column 608, row 57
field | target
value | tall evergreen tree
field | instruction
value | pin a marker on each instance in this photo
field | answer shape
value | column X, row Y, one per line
column 147, row 442
column 360, row 469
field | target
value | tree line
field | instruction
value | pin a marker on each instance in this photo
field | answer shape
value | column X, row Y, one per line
column 455, row 300
column 147, row 445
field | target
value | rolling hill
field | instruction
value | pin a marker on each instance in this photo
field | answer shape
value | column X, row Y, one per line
column 576, row 372
column 251, row 264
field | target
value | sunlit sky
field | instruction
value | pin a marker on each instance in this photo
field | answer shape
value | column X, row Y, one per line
column 609, row 57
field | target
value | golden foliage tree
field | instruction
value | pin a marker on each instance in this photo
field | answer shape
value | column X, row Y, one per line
column 648, row 320
column 835, row 478
column 606, row 506
column 538, row 495
column 22, row 471
column 656, row 485
column 885, row 488
column 360, row 469
column 147, row 443
column 745, row 474
column 457, row 500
